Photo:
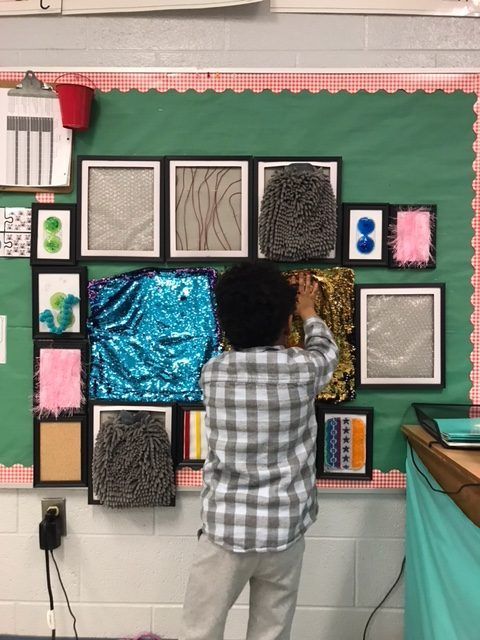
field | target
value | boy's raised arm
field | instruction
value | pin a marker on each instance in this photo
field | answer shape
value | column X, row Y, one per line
column 319, row 341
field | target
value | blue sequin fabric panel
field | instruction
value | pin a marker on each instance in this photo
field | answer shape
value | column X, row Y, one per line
column 151, row 331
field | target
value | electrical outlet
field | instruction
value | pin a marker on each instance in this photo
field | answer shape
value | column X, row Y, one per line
column 60, row 503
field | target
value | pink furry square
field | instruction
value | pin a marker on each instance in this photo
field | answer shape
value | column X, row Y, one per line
column 59, row 382
column 412, row 238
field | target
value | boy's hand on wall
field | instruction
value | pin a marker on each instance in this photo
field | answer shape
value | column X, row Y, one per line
column 307, row 290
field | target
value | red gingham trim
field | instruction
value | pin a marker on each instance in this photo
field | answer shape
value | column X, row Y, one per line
column 17, row 475
column 45, row 198
column 391, row 480
column 256, row 82
column 295, row 82
column 475, row 318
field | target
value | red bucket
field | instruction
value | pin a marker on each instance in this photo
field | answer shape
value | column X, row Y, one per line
column 75, row 102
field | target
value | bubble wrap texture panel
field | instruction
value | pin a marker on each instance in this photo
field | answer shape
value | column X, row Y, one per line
column 120, row 209
column 400, row 336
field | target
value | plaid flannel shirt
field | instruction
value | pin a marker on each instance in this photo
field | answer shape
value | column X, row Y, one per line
column 259, row 489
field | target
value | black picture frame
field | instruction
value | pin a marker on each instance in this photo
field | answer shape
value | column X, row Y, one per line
column 182, row 459
column 380, row 260
column 325, row 471
column 37, row 273
column 362, row 291
column 84, row 163
column 37, row 472
column 259, row 168
column 179, row 256
column 123, row 405
column 39, row 260
column 392, row 223
column 84, row 347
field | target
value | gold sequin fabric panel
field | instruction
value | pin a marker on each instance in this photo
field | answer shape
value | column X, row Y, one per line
column 334, row 305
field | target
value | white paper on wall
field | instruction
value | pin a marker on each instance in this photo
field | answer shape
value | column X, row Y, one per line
column 15, row 228
column 35, row 149
column 3, row 339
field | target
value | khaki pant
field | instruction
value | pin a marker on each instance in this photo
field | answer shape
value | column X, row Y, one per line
column 218, row 576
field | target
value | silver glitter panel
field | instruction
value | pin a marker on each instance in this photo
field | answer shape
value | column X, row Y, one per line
column 121, row 208
column 400, row 336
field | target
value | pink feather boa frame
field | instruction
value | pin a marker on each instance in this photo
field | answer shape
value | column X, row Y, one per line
column 60, row 379
column 412, row 237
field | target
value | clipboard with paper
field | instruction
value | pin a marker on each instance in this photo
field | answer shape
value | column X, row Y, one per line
column 35, row 149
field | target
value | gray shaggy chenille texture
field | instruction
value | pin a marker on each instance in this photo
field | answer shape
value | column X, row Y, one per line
column 132, row 462
column 298, row 215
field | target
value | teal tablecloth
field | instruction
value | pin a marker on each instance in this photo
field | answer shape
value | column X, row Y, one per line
column 442, row 597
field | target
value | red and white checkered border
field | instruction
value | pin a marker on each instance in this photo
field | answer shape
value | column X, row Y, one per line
column 392, row 480
column 294, row 82
column 263, row 81
column 16, row 476
column 22, row 477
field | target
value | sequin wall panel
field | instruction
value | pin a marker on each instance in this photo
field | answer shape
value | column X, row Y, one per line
column 335, row 305
column 151, row 332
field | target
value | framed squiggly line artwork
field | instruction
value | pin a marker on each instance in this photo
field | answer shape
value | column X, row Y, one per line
column 345, row 442
column 208, row 210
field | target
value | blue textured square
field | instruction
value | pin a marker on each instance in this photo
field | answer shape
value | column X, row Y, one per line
column 151, row 331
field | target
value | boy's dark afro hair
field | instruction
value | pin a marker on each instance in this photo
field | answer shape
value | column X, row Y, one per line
column 254, row 303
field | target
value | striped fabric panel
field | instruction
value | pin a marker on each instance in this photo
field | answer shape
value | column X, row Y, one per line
column 194, row 435
column 345, row 443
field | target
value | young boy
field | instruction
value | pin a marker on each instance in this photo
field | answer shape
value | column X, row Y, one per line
column 258, row 496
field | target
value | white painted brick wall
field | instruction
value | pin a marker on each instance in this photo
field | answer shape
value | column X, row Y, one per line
column 126, row 571
column 246, row 36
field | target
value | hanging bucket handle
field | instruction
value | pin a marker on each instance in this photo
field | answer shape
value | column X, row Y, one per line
column 74, row 73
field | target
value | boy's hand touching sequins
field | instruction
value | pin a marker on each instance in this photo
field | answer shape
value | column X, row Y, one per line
column 307, row 289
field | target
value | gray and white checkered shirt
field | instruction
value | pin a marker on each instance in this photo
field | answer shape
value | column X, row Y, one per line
column 259, row 477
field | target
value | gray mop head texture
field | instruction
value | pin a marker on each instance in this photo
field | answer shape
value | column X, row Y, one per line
column 132, row 463
column 298, row 215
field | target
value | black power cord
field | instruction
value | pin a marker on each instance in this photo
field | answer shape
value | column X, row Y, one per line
column 65, row 594
column 51, row 613
column 447, row 493
column 384, row 599
column 50, row 538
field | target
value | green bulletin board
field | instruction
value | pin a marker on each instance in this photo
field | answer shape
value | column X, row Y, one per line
column 398, row 148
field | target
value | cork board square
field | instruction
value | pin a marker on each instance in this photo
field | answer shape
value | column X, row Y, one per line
column 60, row 452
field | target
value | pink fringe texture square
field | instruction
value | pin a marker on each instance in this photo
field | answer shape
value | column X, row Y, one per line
column 59, row 382
column 412, row 238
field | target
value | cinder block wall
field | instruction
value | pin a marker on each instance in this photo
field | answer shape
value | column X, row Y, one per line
column 126, row 572
column 246, row 36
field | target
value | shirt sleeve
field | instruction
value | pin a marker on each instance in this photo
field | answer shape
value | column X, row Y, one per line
column 322, row 348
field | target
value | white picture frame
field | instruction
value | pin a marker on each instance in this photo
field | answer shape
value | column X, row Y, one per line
column 332, row 164
column 236, row 203
column 98, row 408
column 422, row 348
column 121, row 225
column 378, row 214
column 47, row 283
